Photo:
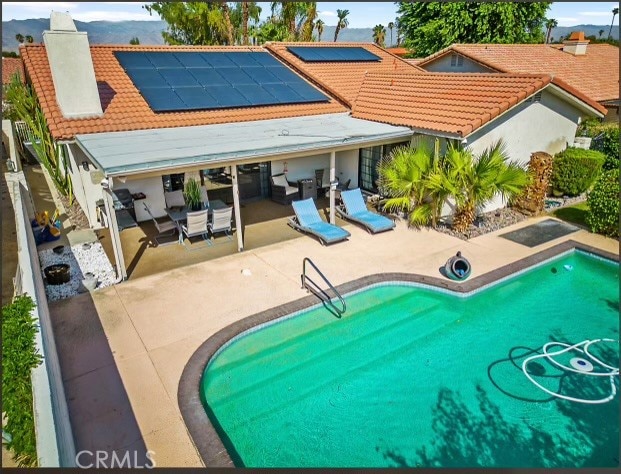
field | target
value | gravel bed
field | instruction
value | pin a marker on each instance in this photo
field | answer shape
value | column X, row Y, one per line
column 82, row 259
column 495, row 220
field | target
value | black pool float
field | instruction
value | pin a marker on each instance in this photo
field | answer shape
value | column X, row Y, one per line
column 457, row 267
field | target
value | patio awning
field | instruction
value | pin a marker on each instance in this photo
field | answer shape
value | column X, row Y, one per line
column 121, row 153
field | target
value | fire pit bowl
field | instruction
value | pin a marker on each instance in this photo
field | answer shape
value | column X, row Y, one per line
column 57, row 274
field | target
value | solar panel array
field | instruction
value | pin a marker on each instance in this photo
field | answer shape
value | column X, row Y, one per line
column 313, row 54
column 183, row 81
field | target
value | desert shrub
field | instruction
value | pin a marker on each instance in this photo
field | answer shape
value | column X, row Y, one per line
column 603, row 201
column 574, row 170
column 19, row 357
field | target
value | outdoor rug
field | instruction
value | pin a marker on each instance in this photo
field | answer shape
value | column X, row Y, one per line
column 540, row 233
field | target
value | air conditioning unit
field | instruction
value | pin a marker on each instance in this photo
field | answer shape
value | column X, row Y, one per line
column 582, row 142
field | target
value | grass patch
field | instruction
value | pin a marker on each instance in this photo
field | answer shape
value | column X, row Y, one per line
column 575, row 214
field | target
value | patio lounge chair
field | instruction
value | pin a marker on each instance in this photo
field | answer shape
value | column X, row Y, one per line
column 196, row 225
column 164, row 228
column 355, row 210
column 221, row 221
column 307, row 219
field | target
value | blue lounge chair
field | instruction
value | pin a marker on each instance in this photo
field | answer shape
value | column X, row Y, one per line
column 355, row 210
column 307, row 219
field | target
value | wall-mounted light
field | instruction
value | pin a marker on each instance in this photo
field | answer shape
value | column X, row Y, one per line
column 85, row 165
column 122, row 179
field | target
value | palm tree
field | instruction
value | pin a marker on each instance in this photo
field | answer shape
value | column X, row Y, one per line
column 474, row 181
column 409, row 178
column 308, row 14
column 398, row 27
column 19, row 37
column 227, row 23
column 134, row 41
column 615, row 11
column 391, row 25
column 601, row 32
column 551, row 23
column 379, row 35
column 245, row 23
column 29, row 39
column 342, row 22
column 319, row 24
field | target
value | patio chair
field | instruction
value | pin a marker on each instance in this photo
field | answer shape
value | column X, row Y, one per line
column 355, row 210
column 174, row 199
column 221, row 221
column 282, row 190
column 196, row 225
column 307, row 219
column 165, row 228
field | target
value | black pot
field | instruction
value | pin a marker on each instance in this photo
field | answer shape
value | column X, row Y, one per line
column 57, row 274
column 58, row 249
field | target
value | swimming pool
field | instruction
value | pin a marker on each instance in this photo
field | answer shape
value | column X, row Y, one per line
column 414, row 376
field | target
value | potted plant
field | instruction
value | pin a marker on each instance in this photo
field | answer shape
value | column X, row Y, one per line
column 192, row 195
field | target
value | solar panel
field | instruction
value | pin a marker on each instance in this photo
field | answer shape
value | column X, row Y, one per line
column 178, row 81
column 312, row 54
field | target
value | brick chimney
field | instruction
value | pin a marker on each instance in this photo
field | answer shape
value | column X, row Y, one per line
column 71, row 64
column 576, row 44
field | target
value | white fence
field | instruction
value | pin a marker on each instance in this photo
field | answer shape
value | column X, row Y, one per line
column 55, row 444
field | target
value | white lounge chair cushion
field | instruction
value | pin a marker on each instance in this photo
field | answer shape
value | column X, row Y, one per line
column 281, row 180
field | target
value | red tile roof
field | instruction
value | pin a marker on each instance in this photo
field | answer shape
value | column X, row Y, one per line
column 595, row 73
column 124, row 107
column 343, row 80
column 11, row 66
column 451, row 103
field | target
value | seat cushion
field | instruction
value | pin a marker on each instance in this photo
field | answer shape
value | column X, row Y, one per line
column 280, row 180
column 174, row 199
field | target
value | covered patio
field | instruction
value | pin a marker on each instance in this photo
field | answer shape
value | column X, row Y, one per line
column 137, row 161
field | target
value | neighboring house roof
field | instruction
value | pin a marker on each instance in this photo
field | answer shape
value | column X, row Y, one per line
column 595, row 73
column 10, row 66
column 343, row 80
column 454, row 104
column 125, row 109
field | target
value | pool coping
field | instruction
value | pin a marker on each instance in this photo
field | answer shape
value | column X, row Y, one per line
column 203, row 434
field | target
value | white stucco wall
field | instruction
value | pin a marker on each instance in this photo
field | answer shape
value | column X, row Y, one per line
column 347, row 166
column 443, row 64
column 86, row 191
column 547, row 126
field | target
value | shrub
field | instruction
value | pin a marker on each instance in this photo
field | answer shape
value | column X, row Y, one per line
column 19, row 357
column 603, row 201
column 608, row 143
column 574, row 170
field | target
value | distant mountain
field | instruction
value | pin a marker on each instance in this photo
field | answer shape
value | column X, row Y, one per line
column 150, row 32
column 589, row 30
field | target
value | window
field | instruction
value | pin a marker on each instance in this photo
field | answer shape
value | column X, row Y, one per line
column 457, row 60
column 173, row 182
column 368, row 161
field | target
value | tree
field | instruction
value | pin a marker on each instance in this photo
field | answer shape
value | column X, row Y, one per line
column 319, row 24
column 551, row 23
column 601, row 32
column 409, row 180
column 398, row 27
column 196, row 23
column 430, row 26
column 615, row 12
column 245, row 16
column 473, row 181
column 391, row 25
column 134, row 41
column 29, row 39
column 19, row 37
column 379, row 35
column 341, row 23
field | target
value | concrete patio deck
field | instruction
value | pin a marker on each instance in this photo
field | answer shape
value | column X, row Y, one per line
column 123, row 348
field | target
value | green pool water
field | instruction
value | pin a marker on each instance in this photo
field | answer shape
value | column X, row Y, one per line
column 411, row 376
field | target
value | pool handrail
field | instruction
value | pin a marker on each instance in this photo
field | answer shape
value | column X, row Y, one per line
column 320, row 293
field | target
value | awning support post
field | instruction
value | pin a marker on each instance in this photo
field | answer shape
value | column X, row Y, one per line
column 237, row 209
column 115, row 238
column 332, row 187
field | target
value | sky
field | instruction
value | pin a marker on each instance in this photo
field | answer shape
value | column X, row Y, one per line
column 362, row 14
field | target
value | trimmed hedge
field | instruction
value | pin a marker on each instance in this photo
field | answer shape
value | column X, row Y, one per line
column 574, row 170
column 19, row 357
column 603, row 201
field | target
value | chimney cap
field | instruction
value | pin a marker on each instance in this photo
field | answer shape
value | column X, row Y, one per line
column 577, row 36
